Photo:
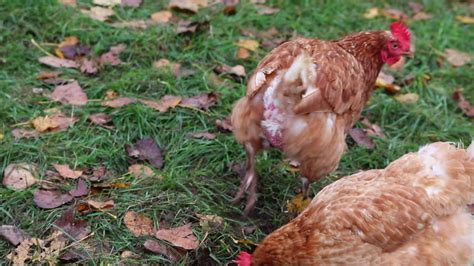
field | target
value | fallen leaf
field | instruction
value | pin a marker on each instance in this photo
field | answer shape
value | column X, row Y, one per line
column 71, row 93
column 463, row 104
column 21, row 254
column 372, row 129
column 230, row 6
column 186, row 26
column 394, row 13
column 179, row 237
column 2, row 136
column 266, row 10
column 131, row 3
column 48, row 75
column 88, row 66
column 49, row 199
column 161, row 17
column 215, row 81
column 407, row 98
column 74, row 52
column 210, row 222
column 385, row 81
column 111, row 94
column 13, row 234
column 155, row 247
column 297, row 204
column 146, row 149
column 138, row 224
column 111, row 57
column 101, row 205
column 166, row 102
column 100, row 118
column 80, row 190
column 133, row 24
column 251, row 45
column 165, row 63
column 202, row 101
column 422, row 16
column 65, row 171
column 98, row 173
column 465, row 19
column 456, row 57
column 187, row 5
column 57, row 62
column 242, row 53
column 140, row 171
column 68, row 2
column 44, row 123
column 415, row 7
column 371, row 13
column 98, row 13
column 77, row 229
column 224, row 125
column 19, row 133
column 108, row 3
column 202, row 135
column 19, row 176
column 361, row 138
column 119, row 102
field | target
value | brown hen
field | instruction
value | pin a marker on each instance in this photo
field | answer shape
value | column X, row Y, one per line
column 306, row 94
column 413, row 212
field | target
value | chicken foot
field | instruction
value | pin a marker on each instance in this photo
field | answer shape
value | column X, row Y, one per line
column 249, row 183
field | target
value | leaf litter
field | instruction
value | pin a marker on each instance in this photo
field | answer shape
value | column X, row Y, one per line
column 146, row 150
column 13, row 234
column 463, row 104
column 138, row 224
column 181, row 236
column 20, row 176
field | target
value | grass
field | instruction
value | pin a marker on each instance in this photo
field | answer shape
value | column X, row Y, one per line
column 197, row 177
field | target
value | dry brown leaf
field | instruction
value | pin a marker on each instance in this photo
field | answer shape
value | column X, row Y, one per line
column 13, row 234
column 407, row 98
column 98, row 13
column 44, row 123
column 224, row 125
column 372, row 129
column 19, row 133
column 384, row 81
column 165, row 63
column 202, row 101
column 48, row 75
column 101, row 205
column 108, row 3
column 112, row 56
column 251, row 45
column 422, row 16
column 187, row 26
column 140, row 170
column 371, row 13
column 100, row 118
column 19, row 176
column 230, row 6
column 146, row 149
column 111, row 94
column 242, row 53
column 161, row 17
column 210, row 222
column 53, row 61
column 65, row 171
column 202, row 135
column 88, row 66
column 119, row 102
column 266, row 10
column 456, row 57
column 21, row 254
column 237, row 72
column 188, row 5
column 463, row 104
column 179, row 237
column 133, row 24
column 50, row 199
column 68, row 2
column 158, row 248
column 361, row 138
column 394, row 13
column 138, row 224
column 465, row 19
column 165, row 103
column 71, row 93
column 297, row 204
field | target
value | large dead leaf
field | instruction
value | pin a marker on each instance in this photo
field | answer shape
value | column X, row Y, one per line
column 236, row 72
column 53, row 61
column 98, row 13
column 251, row 45
column 187, row 26
column 101, row 205
column 165, row 103
column 19, row 176
column 140, row 170
column 75, row 51
column 138, row 224
column 179, row 237
column 202, row 135
column 465, row 19
column 188, row 5
column 119, row 102
column 298, row 204
column 48, row 75
column 161, row 17
column 457, row 58
column 13, row 234
column 385, row 81
column 50, row 199
column 158, row 248
column 209, row 222
column 146, row 149
column 112, row 56
column 266, row 10
column 463, row 104
column 361, row 138
column 53, row 122
column 77, row 229
column 202, row 101
column 70, row 93
column 19, row 133
column 80, row 190
column 407, row 98
column 88, row 66
column 65, row 171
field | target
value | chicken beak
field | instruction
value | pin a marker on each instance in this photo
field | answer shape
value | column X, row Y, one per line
column 408, row 54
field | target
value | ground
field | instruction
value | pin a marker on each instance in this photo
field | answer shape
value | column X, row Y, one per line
column 197, row 176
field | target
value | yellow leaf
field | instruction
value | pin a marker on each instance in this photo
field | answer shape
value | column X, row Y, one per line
column 408, row 98
column 43, row 123
column 465, row 19
column 161, row 17
column 2, row 136
column 298, row 204
column 371, row 13
column 251, row 45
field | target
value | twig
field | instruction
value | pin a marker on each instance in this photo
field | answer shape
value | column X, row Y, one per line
column 76, row 242
column 39, row 47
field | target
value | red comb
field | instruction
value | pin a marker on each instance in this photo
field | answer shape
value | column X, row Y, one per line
column 401, row 32
column 243, row 259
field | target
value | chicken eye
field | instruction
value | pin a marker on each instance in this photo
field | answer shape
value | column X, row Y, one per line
column 395, row 45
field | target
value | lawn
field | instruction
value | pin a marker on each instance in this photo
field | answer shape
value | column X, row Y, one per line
column 199, row 175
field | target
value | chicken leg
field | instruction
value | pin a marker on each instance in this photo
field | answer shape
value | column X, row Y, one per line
column 249, row 183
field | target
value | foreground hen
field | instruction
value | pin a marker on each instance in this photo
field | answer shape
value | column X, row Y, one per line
column 306, row 94
column 413, row 212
